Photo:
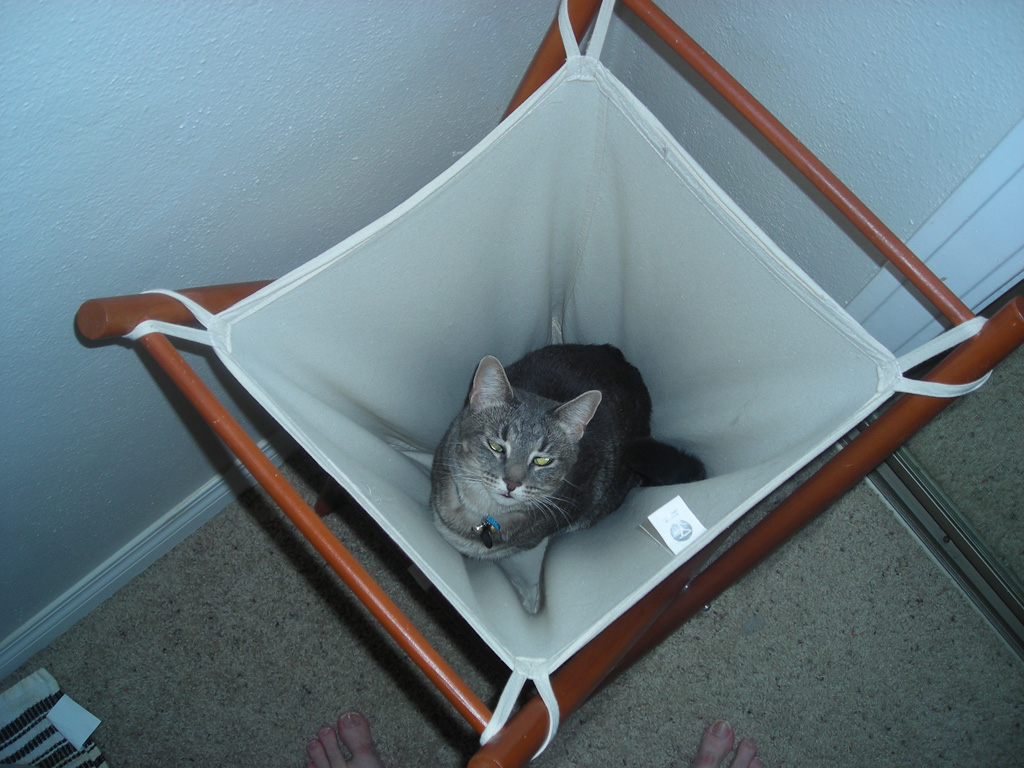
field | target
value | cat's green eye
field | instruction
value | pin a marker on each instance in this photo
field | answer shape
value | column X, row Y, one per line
column 542, row 461
column 496, row 447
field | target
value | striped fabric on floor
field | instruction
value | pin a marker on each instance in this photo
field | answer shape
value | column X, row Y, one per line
column 27, row 737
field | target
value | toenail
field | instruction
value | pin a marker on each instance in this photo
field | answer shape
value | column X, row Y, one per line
column 351, row 719
column 721, row 729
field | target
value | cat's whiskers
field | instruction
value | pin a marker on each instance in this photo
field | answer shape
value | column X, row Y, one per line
column 551, row 506
column 459, row 471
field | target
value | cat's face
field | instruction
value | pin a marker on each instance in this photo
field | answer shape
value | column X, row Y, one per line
column 517, row 455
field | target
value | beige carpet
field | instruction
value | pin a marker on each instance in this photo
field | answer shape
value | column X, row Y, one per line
column 849, row 647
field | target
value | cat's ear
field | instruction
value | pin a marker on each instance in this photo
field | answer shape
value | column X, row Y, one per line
column 490, row 385
column 577, row 413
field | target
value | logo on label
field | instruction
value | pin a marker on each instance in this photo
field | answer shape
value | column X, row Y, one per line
column 681, row 531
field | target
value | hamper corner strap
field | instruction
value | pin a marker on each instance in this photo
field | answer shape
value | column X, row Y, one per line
column 551, row 54
column 114, row 317
column 202, row 315
column 536, row 671
column 941, row 343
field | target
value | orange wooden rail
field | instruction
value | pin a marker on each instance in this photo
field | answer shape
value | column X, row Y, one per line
column 118, row 315
column 319, row 535
column 804, row 160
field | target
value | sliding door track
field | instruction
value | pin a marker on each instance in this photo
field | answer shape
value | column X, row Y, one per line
column 934, row 518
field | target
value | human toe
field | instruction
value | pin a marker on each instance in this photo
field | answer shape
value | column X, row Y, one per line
column 746, row 756
column 354, row 732
column 715, row 745
column 324, row 752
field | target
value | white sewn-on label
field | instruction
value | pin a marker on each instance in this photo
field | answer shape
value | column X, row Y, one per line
column 676, row 524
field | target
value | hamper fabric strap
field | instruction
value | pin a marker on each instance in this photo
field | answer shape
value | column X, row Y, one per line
column 597, row 36
column 523, row 670
column 206, row 318
column 939, row 344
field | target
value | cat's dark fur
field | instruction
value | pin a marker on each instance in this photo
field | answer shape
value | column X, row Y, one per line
column 552, row 444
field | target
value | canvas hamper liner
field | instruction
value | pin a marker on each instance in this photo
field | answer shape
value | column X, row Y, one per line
column 578, row 219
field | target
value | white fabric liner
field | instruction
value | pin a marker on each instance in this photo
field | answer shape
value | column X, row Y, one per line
column 578, row 219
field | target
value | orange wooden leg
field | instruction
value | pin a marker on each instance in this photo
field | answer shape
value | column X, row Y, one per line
column 319, row 535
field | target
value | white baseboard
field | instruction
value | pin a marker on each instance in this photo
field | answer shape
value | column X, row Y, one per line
column 162, row 536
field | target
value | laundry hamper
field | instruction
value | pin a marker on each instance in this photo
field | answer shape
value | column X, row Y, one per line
column 579, row 219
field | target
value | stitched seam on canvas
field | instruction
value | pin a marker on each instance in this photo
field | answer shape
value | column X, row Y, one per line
column 591, row 195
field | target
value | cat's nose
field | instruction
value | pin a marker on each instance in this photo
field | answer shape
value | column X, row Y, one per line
column 511, row 485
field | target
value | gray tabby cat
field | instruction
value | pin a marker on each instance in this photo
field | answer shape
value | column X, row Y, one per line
column 551, row 445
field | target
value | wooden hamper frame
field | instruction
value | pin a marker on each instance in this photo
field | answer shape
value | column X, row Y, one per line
column 687, row 590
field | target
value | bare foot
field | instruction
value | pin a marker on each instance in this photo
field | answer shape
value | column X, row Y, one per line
column 716, row 744
column 354, row 732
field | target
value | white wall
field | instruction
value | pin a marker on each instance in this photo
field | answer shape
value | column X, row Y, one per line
column 179, row 144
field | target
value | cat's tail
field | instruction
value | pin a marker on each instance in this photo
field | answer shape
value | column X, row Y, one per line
column 658, row 463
